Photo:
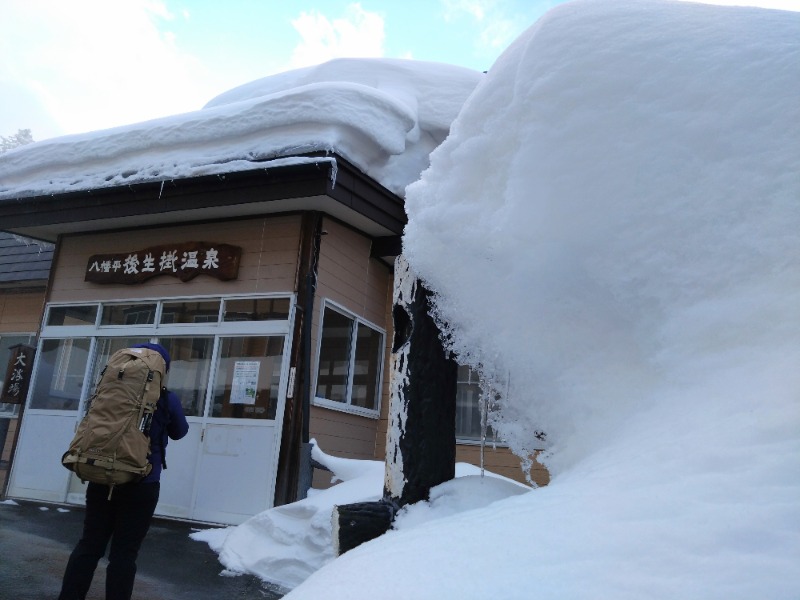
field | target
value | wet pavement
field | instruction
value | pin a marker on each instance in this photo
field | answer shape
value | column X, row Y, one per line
column 36, row 539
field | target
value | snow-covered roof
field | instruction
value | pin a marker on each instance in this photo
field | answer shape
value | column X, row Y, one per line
column 385, row 116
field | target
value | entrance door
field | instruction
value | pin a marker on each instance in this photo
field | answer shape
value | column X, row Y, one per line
column 232, row 390
column 240, row 440
column 228, row 368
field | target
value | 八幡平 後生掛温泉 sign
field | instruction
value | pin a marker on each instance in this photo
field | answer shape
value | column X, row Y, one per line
column 184, row 261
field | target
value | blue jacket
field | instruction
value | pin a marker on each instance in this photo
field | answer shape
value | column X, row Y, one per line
column 168, row 422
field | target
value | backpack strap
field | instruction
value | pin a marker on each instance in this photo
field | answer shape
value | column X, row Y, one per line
column 163, row 401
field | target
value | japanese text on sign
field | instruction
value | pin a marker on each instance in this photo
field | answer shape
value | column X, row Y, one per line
column 18, row 374
column 184, row 261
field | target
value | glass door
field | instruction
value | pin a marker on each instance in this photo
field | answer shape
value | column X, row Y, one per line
column 240, row 442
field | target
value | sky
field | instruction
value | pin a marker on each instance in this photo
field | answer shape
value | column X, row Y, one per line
column 84, row 65
column 70, row 67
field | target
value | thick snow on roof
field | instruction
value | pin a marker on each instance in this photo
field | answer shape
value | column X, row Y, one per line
column 384, row 115
column 612, row 231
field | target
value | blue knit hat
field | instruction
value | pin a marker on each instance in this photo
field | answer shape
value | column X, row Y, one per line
column 158, row 348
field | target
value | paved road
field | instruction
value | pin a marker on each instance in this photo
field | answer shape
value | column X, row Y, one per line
column 36, row 539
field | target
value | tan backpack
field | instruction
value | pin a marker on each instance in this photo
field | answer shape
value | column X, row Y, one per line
column 112, row 442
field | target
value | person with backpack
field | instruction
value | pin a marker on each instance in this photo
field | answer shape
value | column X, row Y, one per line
column 121, row 513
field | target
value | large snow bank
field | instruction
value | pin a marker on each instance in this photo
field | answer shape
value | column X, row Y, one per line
column 612, row 231
column 383, row 115
column 286, row 544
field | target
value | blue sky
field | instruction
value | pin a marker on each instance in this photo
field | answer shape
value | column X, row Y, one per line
column 82, row 65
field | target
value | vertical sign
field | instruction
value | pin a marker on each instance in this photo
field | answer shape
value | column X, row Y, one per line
column 18, row 374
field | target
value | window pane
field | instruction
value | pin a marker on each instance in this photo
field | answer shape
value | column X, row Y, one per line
column 468, row 406
column 248, row 378
column 334, row 356
column 128, row 314
column 369, row 345
column 257, row 309
column 72, row 315
column 189, row 369
column 59, row 374
column 190, row 312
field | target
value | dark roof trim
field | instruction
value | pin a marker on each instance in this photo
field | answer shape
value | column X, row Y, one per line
column 390, row 245
column 351, row 189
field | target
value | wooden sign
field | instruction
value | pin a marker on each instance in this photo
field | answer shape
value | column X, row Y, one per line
column 18, row 374
column 184, row 261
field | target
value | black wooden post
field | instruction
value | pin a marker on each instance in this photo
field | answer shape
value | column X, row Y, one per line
column 421, row 440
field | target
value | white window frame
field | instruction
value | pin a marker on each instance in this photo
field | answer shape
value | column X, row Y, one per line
column 348, row 406
column 94, row 331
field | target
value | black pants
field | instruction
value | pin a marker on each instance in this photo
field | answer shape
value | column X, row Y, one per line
column 124, row 519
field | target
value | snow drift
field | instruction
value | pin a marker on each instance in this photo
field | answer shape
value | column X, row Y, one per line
column 286, row 544
column 611, row 229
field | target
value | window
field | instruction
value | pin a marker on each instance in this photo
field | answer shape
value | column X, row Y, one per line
column 350, row 362
column 257, row 309
column 468, row 406
column 206, row 311
column 59, row 378
column 248, row 377
column 189, row 370
column 77, row 341
column 72, row 315
column 128, row 314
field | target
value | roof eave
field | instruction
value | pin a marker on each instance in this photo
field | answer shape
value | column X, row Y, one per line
column 339, row 189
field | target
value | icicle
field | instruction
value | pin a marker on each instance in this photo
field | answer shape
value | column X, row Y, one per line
column 484, row 419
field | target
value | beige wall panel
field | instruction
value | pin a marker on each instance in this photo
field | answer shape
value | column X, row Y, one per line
column 348, row 276
column 383, row 422
column 343, row 434
column 21, row 313
column 501, row 461
column 268, row 263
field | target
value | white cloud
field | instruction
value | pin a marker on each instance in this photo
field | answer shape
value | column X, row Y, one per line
column 474, row 8
column 89, row 62
column 497, row 21
column 359, row 33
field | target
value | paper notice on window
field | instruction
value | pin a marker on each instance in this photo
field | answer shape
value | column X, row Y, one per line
column 245, row 382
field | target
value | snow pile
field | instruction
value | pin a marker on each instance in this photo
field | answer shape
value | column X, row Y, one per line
column 286, row 544
column 383, row 115
column 611, row 229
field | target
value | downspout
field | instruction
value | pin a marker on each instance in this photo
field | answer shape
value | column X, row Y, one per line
column 306, row 472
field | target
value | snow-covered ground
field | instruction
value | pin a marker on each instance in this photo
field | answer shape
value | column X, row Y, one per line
column 286, row 544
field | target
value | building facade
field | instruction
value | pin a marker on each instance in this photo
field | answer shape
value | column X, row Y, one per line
column 255, row 239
